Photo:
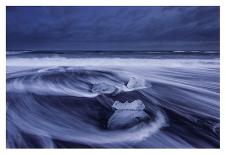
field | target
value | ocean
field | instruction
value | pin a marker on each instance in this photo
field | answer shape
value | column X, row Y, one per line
column 113, row 99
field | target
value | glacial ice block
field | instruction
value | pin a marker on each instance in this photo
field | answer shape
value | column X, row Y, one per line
column 127, row 114
column 135, row 83
column 135, row 105
column 126, row 118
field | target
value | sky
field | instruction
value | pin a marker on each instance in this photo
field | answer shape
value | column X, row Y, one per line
column 112, row 28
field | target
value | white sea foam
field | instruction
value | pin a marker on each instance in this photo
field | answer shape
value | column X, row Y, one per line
column 111, row 62
column 103, row 88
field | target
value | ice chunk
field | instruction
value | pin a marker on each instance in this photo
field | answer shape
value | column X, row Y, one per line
column 127, row 114
column 135, row 105
column 103, row 88
column 135, row 83
column 126, row 118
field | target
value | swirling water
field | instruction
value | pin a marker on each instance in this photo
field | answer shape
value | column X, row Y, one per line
column 61, row 102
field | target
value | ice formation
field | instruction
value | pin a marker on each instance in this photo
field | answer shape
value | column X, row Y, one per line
column 135, row 83
column 135, row 105
column 127, row 114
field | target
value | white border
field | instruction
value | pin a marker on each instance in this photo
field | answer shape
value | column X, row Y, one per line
column 4, row 3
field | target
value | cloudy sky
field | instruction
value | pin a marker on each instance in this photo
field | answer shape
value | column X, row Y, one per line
column 112, row 28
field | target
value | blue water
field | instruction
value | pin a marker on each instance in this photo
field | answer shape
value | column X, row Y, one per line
column 113, row 99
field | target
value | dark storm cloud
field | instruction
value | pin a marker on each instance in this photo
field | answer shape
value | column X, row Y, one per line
column 76, row 27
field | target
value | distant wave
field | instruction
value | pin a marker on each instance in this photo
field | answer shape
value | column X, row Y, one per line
column 179, row 51
column 146, row 54
column 66, row 103
column 9, row 53
column 111, row 62
column 203, row 52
